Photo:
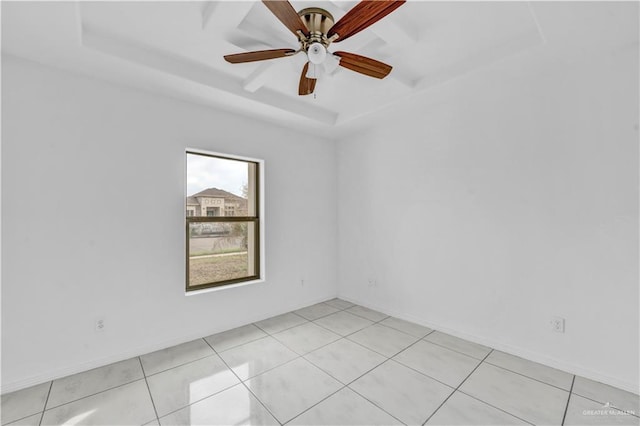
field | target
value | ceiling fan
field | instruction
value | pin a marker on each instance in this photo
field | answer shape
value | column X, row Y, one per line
column 316, row 30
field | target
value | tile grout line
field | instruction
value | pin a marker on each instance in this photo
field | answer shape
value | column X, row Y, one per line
column 304, row 356
column 240, row 344
column 353, row 332
column 378, row 322
column 274, row 367
column 386, row 356
column 301, row 355
column 491, row 405
column 497, row 366
column 454, row 350
column 199, row 400
column 479, row 359
column 175, row 366
column 326, row 372
column 323, row 399
column 320, row 347
column 340, row 337
column 341, row 309
column 93, row 394
column 85, row 396
column 243, row 343
column 451, row 349
column 45, row 404
column 423, row 374
column 497, row 408
column 410, row 322
column 483, row 360
column 362, row 316
column 323, row 329
column 410, row 346
column 347, row 385
column 600, row 402
column 268, row 334
column 387, row 360
column 362, row 396
column 255, row 323
column 376, row 366
column 320, row 317
column 338, row 310
column 528, row 377
column 456, row 389
column 326, row 344
column 245, row 385
column 328, row 329
column 284, row 329
column 399, row 331
column 437, row 344
column 566, row 408
column 15, row 422
column 155, row 410
column 208, row 396
column 373, row 350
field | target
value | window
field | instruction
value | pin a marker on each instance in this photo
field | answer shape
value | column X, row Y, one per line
column 223, row 233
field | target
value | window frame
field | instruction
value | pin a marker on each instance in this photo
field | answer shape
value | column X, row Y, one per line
column 257, row 220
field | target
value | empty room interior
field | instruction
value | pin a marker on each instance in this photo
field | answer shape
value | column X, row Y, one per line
column 320, row 213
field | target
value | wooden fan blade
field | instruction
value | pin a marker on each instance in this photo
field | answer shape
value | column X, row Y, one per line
column 363, row 65
column 258, row 55
column 307, row 85
column 364, row 14
column 287, row 15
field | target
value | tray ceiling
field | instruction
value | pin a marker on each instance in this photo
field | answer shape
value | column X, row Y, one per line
column 177, row 48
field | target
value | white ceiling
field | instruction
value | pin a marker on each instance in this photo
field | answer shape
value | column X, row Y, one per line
column 177, row 48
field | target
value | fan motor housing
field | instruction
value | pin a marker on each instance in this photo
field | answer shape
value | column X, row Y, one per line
column 318, row 21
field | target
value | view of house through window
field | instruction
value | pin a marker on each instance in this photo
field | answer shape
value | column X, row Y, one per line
column 222, row 221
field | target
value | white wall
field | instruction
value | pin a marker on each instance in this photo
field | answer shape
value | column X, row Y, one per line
column 503, row 199
column 93, row 222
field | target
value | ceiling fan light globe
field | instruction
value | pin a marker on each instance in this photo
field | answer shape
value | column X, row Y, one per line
column 316, row 53
column 313, row 71
column 330, row 65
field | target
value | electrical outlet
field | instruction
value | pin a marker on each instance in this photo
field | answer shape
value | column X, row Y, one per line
column 557, row 324
column 372, row 282
column 99, row 324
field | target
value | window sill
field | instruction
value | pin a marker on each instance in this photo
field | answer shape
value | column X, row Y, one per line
column 224, row 287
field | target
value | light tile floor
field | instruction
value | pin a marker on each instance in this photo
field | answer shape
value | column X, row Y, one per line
column 332, row 363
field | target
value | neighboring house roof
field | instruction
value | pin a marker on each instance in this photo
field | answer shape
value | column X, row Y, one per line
column 217, row 193
column 192, row 201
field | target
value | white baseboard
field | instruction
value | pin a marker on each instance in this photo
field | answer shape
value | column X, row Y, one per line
column 534, row 356
column 138, row 351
